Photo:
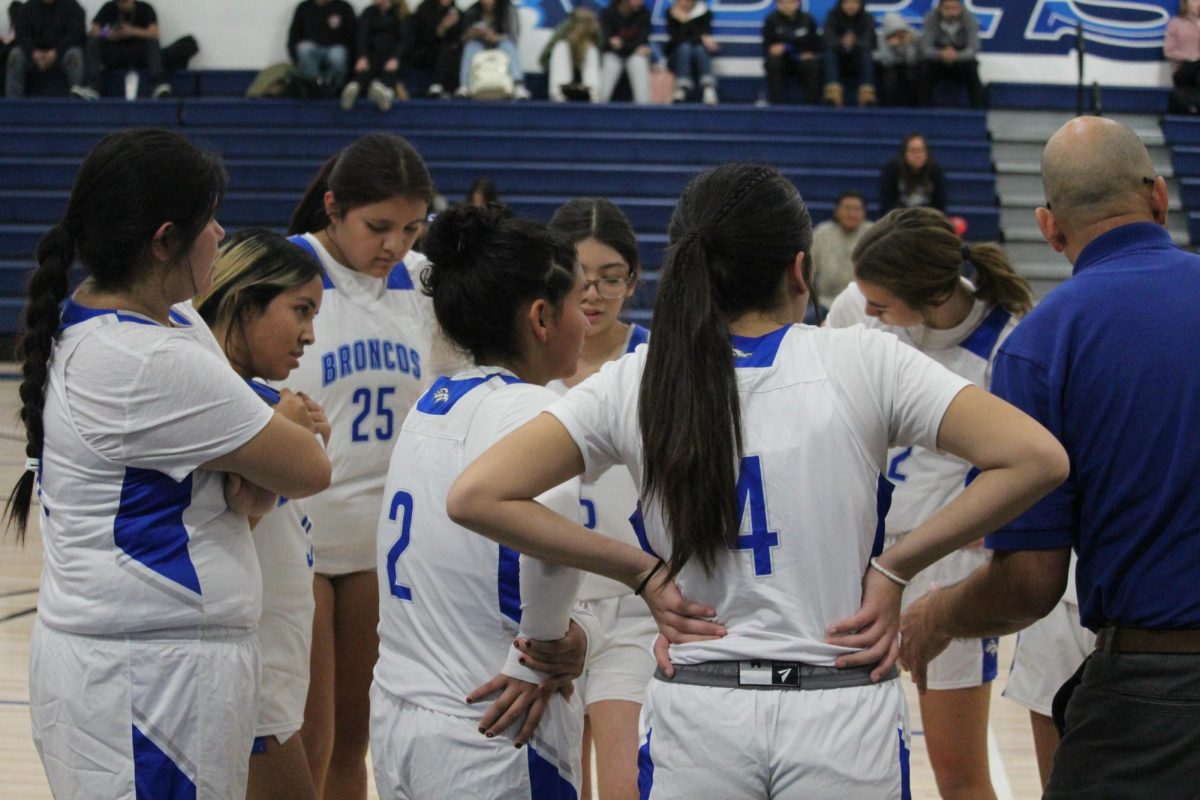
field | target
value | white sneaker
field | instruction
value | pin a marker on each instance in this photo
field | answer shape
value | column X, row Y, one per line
column 85, row 92
column 710, row 95
column 381, row 96
column 349, row 95
column 520, row 92
column 680, row 96
column 160, row 91
column 462, row 92
column 435, row 90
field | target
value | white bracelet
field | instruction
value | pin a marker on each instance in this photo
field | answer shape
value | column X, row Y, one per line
column 887, row 573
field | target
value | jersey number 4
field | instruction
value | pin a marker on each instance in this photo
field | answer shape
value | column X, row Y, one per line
column 385, row 417
column 401, row 502
column 752, row 500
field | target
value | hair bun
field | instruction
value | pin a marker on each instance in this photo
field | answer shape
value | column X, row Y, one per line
column 458, row 232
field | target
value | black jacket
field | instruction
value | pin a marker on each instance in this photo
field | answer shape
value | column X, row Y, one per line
column 689, row 31
column 862, row 25
column 798, row 33
column 56, row 26
column 326, row 25
column 633, row 30
column 380, row 35
column 892, row 195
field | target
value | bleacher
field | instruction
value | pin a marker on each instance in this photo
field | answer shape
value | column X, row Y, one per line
column 539, row 154
column 1182, row 135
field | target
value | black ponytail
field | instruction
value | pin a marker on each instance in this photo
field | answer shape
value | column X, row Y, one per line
column 733, row 236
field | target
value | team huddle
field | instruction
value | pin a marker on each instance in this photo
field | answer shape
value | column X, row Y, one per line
column 300, row 495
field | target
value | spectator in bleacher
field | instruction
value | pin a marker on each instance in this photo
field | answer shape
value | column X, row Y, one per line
column 690, row 48
column 625, row 27
column 897, row 62
column 436, row 44
column 320, row 42
column 50, row 35
column 791, row 49
column 833, row 242
column 124, row 35
column 482, row 192
column 380, row 42
column 492, row 24
column 849, row 42
column 571, row 57
column 1182, row 45
column 912, row 178
column 950, row 51
column 9, row 39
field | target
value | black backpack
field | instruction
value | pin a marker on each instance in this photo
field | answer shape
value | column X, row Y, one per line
column 178, row 53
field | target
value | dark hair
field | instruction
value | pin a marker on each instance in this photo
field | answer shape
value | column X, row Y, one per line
column 851, row 194
column 597, row 218
column 485, row 187
column 915, row 254
column 734, row 235
column 129, row 185
column 914, row 180
column 485, row 265
column 253, row 267
column 374, row 168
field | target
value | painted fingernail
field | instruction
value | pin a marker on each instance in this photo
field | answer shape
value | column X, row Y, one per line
column 489, row 735
column 520, row 660
column 481, row 730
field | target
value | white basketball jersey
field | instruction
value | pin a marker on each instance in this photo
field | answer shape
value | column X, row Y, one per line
column 370, row 363
column 924, row 479
column 819, row 409
column 609, row 502
column 451, row 601
column 136, row 536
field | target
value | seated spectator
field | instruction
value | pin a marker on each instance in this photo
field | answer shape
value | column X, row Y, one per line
column 50, row 36
column 833, row 242
column 9, row 39
column 625, row 27
column 1182, row 45
column 379, row 46
column 124, row 35
column 492, row 24
column 320, row 41
column 436, row 44
column 482, row 192
column 849, row 41
column 791, row 49
column 898, row 62
column 950, row 51
column 571, row 57
column 912, row 179
column 690, row 47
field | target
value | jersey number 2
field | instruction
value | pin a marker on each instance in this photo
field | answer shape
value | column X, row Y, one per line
column 387, row 418
column 400, row 501
column 751, row 498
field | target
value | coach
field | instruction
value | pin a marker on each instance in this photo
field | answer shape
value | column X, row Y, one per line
column 1110, row 363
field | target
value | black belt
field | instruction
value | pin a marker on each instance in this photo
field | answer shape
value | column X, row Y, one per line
column 777, row 675
column 1139, row 640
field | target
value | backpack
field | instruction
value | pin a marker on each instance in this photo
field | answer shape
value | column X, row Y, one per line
column 1184, row 100
column 490, row 77
column 178, row 53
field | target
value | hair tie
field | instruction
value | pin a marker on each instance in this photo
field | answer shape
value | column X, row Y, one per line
column 966, row 253
column 693, row 235
column 33, row 465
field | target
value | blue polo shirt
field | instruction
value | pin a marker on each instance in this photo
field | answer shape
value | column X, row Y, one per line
column 1109, row 362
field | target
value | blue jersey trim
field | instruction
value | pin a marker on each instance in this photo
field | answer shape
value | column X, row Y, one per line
column 639, row 530
column 305, row 244
column 991, row 658
column 545, row 782
column 73, row 314
column 179, row 319
column 445, row 392
column 271, row 396
column 399, row 278
column 982, row 340
column 645, row 768
column 905, row 787
column 883, row 504
column 758, row 351
column 638, row 335
column 149, row 524
column 155, row 775
column 508, row 583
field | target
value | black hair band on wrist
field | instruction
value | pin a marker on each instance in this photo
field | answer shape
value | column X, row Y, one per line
column 646, row 580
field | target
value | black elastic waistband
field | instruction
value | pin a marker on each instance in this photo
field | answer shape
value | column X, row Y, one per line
column 776, row 675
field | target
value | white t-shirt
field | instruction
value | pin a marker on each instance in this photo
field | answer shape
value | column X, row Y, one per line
column 373, row 357
column 819, row 410
column 610, row 501
column 137, row 536
column 925, row 480
column 451, row 601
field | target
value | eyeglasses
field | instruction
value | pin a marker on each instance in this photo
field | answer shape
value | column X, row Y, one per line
column 1147, row 180
column 608, row 288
